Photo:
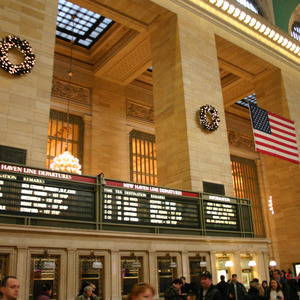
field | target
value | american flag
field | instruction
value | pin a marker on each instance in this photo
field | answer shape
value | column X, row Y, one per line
column 274, row 135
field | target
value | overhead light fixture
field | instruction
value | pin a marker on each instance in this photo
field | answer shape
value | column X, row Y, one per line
column 172, row 264
column 228, row 263
column 136, row 263
column 48, row 264
column 272, row 263
column 97, row 265
column 66, row 162
column 252, row 263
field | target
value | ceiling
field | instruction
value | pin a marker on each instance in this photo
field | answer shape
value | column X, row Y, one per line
column 123, row 52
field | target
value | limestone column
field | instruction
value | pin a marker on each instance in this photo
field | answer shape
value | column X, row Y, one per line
column 87, row 146
column 186, row 77
column 213, row 265
column 115, row 274
column 72, row 267
column 237, row 264
column 261, row 266
column 184, row 263
column 153, row 272
column 23, row 271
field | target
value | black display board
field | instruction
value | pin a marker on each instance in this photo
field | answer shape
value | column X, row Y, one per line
column 147, row 205
column 43, row 193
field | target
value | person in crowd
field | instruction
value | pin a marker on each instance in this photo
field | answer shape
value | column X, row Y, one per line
column 271, row 272
column 141, row 291
column 172, row 292
column 265, row 287
column 208, row 291
column 256, row 291
column 10, row 288
column 185, row 289
column 236, row 289
column 281, row 280
column 46, row 292
column 275, row 290
column 293, row 287
column 87, row 293
column 223, row 287
column 84, row 285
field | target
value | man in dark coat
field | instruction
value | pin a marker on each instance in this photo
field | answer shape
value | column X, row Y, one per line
column 208, row 291
column 285, row 288
column 172, row 292
column 223, row 287
column 236, row 290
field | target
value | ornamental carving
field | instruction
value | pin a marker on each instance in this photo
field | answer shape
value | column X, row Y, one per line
column 237, row 140
column 74, row 93
column 139, row 111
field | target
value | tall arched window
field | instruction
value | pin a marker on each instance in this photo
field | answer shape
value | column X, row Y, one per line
column 295, row 33
column 250, row 4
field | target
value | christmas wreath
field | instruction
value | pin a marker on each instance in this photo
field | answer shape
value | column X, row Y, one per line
column 208, row 109
column 29, row 58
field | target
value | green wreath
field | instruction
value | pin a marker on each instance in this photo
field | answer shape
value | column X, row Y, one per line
column 29, row 58
column 204, row 110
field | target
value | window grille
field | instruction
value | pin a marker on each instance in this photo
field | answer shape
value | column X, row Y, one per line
column 245, row 183
column 3, row 266
column 89, row 274
column 143, row 167
column 40, row 275
column 57, row 136
column 166, row 273
column 130, row 274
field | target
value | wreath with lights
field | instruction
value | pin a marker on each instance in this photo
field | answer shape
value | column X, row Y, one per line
column 204, row 110
column 29, row 58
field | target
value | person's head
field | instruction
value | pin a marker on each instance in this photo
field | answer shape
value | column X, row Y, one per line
column 182, row 278
column 141, row 291
column 177, row 283
column 47, row 288
column 275, row 285
column 222, row 277
column 264, row 283
column 205, row 280
column 10, row 288
column 88, row 290
column 190, row 297
column 93, row 287
column 234, row 278
column 277, row 274
column 256, row 280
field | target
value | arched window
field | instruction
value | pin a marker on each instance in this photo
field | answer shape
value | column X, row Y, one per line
column 250, row 4
column 295, row 33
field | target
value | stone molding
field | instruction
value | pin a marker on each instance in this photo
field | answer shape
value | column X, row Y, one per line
column 241, row 141
column 76, row 93
column 139, row 111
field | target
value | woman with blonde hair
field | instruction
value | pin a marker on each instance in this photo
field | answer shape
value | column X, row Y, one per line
column 141, row 291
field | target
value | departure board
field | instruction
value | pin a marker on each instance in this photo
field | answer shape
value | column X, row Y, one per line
column 220, row 213
column 148, row 205
column 23, row 193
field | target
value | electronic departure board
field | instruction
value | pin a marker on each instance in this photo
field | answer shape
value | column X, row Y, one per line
column 220, row 213
column 128, row 203
column 44, row 193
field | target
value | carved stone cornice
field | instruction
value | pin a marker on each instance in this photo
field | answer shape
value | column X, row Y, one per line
column 241, row 141
column 139, row 111
column 75, row 93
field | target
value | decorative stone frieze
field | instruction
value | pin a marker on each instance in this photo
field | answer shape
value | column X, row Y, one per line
column 139, row 111
column 78, row 94
column 237, row 140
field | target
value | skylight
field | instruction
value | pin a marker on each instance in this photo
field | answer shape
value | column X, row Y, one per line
column 87, row 26
column 249, row 99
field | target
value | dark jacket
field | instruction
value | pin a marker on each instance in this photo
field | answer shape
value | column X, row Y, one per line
column 223, row 287
column 171, row 293
column 285, row 289
column 241, row 291
column 212, row 294
column 44, row 296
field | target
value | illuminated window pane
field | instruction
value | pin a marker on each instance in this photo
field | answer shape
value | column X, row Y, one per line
column 250, row 4
column 142, row 158
column 58, row 138
column 245, row 183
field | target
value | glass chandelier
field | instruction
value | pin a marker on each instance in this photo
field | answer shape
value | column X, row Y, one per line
column 66, row 162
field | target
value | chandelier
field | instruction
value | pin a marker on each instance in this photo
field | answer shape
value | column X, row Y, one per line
column 66, row 162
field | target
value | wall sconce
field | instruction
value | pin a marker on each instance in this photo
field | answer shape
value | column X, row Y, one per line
column 136, row 263
column 251, row 263
column 48, row 264
column 228, row 263
column 96, row 264
column 102, row 179
column 172, row 264
column 203, row 262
